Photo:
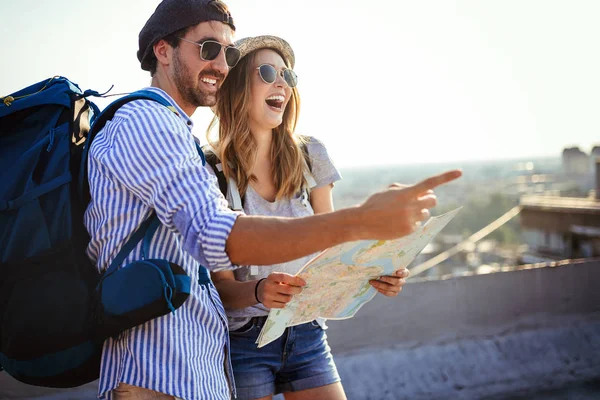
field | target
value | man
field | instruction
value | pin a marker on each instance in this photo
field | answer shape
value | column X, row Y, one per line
column 145, row 160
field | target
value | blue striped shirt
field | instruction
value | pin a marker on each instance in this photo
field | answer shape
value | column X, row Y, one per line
column 145, row 160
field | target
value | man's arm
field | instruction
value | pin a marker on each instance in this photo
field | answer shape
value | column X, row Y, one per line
column 149, row 151
column 321, row 200
column 393, row 213
column 154, row 156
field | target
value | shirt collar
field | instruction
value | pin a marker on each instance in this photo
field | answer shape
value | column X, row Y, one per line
column 188, row 122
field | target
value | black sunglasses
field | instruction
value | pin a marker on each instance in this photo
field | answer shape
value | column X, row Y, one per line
column 268, row 74
column 210, row 49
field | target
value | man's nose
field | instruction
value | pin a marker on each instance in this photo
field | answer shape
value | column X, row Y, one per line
column 220, row 63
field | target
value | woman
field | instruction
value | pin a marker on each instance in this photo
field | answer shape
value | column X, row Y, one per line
column 277, row 173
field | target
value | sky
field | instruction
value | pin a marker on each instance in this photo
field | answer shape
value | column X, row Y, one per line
column 381, row 81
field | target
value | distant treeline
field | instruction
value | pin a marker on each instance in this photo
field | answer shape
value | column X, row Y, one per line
column 479, row 212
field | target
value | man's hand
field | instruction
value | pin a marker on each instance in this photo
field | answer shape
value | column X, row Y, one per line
column 391, row 285
column 399, row 210
column 278, row 289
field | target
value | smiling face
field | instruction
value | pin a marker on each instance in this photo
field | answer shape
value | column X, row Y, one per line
column 267, row 101
column 198, row 80
column 248, row 111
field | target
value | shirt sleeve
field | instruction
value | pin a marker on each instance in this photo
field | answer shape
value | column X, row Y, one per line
column 322, row 167
column 153, row 154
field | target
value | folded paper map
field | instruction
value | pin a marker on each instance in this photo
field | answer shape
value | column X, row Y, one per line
column 337, row 280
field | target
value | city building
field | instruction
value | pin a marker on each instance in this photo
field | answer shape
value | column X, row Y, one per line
column 575, row 161
column 594, row 155
column 557, row 228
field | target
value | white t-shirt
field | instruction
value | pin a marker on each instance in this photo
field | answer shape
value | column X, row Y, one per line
column 324, row 173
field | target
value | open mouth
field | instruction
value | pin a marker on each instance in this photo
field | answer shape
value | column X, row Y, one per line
column 275, row 102
column 209, row 81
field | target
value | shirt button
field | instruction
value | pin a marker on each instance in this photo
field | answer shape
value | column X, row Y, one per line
column 189, row 122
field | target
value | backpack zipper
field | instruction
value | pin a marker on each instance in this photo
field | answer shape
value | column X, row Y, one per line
column 8, row 100
column 51, row 140
column 167, row 290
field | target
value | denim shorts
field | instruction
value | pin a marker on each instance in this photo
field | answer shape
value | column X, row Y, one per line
column 300, row 359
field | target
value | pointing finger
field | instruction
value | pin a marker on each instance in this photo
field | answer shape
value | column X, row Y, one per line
column 434, row 181
column 398, row 186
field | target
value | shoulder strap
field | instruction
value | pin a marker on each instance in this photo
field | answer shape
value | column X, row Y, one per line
column 304, row 149
column 100, row 121
column 215, row 163
column 310, row 179
column 229, row 188
column 147, row 229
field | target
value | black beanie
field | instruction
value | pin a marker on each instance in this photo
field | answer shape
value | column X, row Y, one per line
column 171, row 16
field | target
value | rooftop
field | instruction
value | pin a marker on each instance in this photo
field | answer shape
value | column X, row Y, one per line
column 527, row 332
column 566, row 204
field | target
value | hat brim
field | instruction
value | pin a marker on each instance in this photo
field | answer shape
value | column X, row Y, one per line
column 250, row 44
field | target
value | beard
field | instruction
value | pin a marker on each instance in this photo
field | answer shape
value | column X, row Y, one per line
column 188, row 86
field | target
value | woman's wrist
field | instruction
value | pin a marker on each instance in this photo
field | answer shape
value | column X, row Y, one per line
column 256, row 289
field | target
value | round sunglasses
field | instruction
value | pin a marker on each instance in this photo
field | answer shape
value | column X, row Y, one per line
column 210, row 49
column 268, row 74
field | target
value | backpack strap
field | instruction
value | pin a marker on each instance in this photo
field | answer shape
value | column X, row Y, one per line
column 228, row 187
column 101, row 120
column 237, row 201
column 304, row 149
column 215, row 164
column 310, row 179
column 147, row 229
column 141, row 232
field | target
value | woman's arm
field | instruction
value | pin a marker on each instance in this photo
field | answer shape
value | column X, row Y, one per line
column 234, row 294
column 321, row 199
column 273, row 292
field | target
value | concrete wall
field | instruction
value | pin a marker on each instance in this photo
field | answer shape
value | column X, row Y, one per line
column 485, row 336
column 522, row 331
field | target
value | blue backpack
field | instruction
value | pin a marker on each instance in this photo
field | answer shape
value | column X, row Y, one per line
column 56, row 310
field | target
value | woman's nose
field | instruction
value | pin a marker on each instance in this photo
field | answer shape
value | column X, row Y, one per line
column 280, row 82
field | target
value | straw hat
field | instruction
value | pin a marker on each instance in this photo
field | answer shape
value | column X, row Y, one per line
column 249, row 44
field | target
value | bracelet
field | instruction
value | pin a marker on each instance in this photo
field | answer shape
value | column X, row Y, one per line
column 256, row 290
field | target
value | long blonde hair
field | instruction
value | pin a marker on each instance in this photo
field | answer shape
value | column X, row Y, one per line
column 237, row 148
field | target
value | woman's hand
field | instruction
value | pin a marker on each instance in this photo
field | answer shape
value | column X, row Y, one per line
column 278, row 289
column 391, row 285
